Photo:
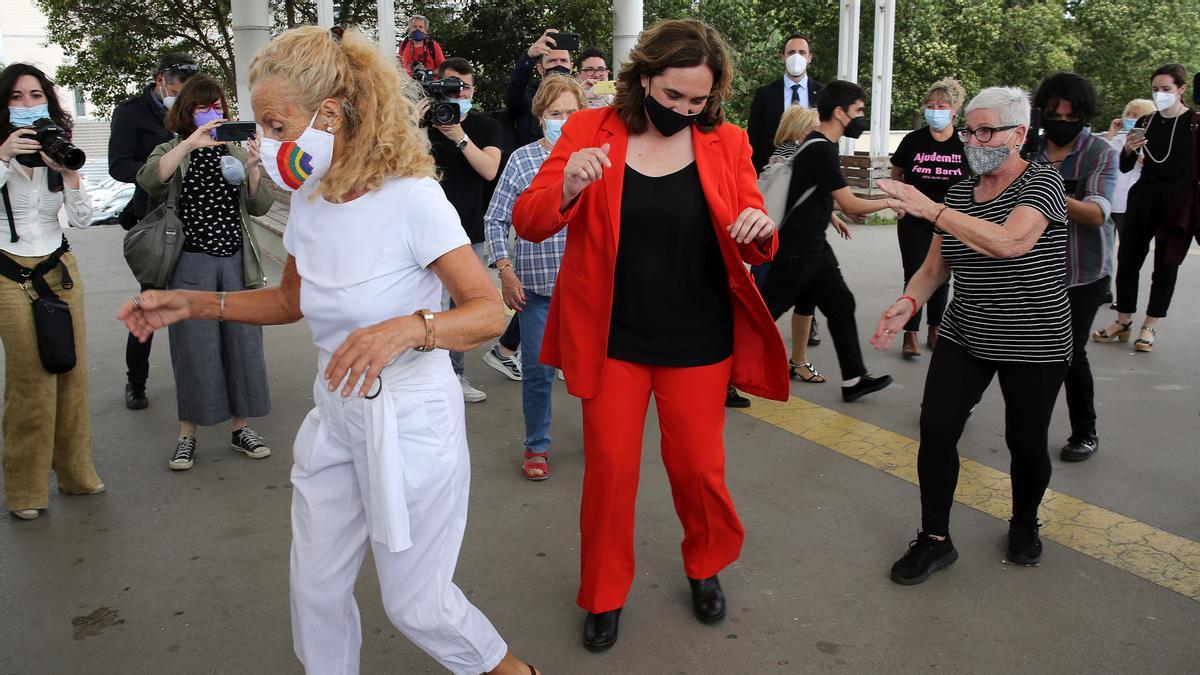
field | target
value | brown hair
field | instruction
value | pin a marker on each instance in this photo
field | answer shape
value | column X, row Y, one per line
column 1177, row 72
column 551, row 88
column 795, row 122
column 198, row 90
column 949, row 90
column 378, row 104
column 675, row 44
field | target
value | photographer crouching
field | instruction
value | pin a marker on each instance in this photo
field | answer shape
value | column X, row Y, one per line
column 46, row 411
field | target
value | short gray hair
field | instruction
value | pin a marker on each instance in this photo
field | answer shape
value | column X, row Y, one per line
column 418, row 16
column 1011, row 102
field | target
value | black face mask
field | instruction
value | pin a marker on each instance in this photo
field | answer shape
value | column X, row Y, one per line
column 856, row 127
column 1061, row 132
column 667, row 121
column 558, row 70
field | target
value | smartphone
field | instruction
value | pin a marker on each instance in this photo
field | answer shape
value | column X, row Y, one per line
column 567, row 41
column 236, row 131
column 1137, row 133
column 605, row 87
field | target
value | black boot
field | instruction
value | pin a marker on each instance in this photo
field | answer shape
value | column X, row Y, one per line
column 1080, row 447
column 1024, row 545
column 600, row 630
column 135, row 397
column 708, row 600
column 735, row 400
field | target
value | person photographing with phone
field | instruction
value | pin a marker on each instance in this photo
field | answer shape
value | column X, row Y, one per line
column 220, row 370
column 545, row 56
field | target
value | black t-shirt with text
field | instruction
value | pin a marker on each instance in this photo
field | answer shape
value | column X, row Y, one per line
column 930, row 165
column 463, row 185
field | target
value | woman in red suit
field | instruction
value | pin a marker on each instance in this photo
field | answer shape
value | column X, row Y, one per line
column 653, row 298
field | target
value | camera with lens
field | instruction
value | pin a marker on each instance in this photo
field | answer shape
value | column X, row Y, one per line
column 53, row 140
column 442, row 111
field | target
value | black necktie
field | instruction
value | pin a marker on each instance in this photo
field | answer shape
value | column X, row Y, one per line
column 795, row 94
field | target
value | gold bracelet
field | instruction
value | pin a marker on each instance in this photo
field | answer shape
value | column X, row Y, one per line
column 501, row 268
column 221, row 306
column 430, row 336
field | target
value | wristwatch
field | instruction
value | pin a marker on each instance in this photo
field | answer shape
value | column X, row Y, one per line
column 463, row 143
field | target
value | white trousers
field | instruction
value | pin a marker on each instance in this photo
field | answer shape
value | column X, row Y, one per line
column 330, row 503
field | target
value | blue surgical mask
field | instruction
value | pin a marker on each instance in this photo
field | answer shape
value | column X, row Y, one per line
column 937, row 119
column 554, row 130
column 1127, row 123
column 418, row 35
column 20, row 116
column 464, row 106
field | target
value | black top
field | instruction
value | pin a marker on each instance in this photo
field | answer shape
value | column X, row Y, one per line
column 137, row 129
column 1176, row 153
column 208, row 206
column 931, row 166
column 671, row 304
column 817, row 165
column 463, row 185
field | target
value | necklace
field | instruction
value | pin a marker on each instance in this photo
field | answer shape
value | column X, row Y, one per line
column 1170, row 145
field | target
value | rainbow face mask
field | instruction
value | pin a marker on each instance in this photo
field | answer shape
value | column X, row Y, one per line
column 291, row 164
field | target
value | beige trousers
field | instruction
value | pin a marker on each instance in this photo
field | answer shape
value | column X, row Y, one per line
column 47, row 418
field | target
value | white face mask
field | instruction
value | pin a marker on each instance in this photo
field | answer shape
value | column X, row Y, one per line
column 796, row 65
column 1164, row 100
column 169, row 101
column 291, row 164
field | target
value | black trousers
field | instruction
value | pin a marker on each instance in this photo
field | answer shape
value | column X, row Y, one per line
column 1147, row 210
column 790, row 276
column 511, row 340
column 137, row 356
column 915, row 236
column 1085, row 302
column 955, row 382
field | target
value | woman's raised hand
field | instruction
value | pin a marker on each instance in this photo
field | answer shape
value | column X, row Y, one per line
column 151, row 310
column 202, row 137
column 583, row 168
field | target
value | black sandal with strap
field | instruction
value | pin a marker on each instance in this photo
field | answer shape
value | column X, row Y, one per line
column 813, row 376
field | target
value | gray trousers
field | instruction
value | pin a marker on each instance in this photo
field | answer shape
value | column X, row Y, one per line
column 220, row 370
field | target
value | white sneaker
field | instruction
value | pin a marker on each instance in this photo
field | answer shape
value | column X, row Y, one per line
column 508, row 366
column 561, row 376
column 470, row 393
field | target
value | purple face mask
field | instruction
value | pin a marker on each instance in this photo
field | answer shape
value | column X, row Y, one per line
column 202, row 118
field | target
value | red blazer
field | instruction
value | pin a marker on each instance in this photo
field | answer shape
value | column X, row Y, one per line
column 576, row 337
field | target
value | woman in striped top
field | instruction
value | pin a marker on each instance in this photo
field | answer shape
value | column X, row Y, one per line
column 1003, row 234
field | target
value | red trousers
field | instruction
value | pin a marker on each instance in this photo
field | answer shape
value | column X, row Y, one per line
column 691, row 414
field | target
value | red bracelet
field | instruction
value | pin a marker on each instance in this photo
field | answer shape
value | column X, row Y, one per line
column 910, row 299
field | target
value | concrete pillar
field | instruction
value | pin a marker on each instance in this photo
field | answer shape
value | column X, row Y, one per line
column 847, row 68
column 387, row 25
column 325, row 13
column 251, row 32
column 627, row 26
column 881, row 81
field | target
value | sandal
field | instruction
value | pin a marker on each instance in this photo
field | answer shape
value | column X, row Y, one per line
column 536, row 470
column 1122, row 335
column 813, row 376
column 1142, row 344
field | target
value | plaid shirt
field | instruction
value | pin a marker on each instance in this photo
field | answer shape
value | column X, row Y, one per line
column 536, row 265
column 1092, row 162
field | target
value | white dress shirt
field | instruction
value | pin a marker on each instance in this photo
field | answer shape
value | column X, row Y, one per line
column 787, row 91
column 35, row 210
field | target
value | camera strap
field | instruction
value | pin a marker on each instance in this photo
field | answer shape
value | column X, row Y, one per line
column 12, row 225
column 36, row 275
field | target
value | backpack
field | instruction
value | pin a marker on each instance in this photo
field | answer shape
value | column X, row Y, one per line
column 775, row 181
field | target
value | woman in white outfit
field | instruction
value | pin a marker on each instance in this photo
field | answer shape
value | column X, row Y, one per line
column 382, row 460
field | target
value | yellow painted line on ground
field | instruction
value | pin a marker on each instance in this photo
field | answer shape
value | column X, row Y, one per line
column 1166, row 559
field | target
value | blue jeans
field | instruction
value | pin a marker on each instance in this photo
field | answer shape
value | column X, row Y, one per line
column 537, row 379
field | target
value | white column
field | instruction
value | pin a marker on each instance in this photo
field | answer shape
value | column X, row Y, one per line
column 847, row 69
column 325, row 13
column 251, row 32
column 627, row 26
column 387, row 25
column 881, row 81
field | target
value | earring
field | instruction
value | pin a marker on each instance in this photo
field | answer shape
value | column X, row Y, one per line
column 329, row 129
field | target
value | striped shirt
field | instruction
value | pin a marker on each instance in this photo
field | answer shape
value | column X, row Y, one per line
column 1093, row 163
column 1013, row 309
column 536, row 265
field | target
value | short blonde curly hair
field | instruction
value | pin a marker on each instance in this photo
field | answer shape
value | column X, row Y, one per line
column 382, row 137
column 949, row 90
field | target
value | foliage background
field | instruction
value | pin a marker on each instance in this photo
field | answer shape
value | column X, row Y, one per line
column 113, row 44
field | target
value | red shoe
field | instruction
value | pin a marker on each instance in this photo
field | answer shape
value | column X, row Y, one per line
column 536, row 470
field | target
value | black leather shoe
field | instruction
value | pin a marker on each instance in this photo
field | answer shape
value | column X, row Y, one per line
column 135, row 397
column 1080, row 448
column 735, row 400
column 867, row 384
column 814, row 333
column 708, row 600
column 600, row 630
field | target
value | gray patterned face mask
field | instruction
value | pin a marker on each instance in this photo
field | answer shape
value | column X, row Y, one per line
column 985, row 160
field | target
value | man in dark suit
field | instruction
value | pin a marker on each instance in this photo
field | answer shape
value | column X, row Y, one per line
column 794, row 88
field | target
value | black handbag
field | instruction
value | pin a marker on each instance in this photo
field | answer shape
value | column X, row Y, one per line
column 51, row 314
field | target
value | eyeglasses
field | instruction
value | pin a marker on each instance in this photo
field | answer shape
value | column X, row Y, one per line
column 201, row 108
column 594, row 71
column 982, row 134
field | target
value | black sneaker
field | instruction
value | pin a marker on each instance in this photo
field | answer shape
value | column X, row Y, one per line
column 1080, row 448
column 866, row 385
column 1024, row 545
column 814, row 333
column 249, row 443
column 185, row 454
column 735, row 400
column 925, row 556
column 135, row 397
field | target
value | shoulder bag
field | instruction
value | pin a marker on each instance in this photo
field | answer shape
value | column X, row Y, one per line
column 152, row 246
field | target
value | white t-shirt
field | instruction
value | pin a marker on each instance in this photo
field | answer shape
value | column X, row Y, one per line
column 367, row 260
column 1124, row 180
